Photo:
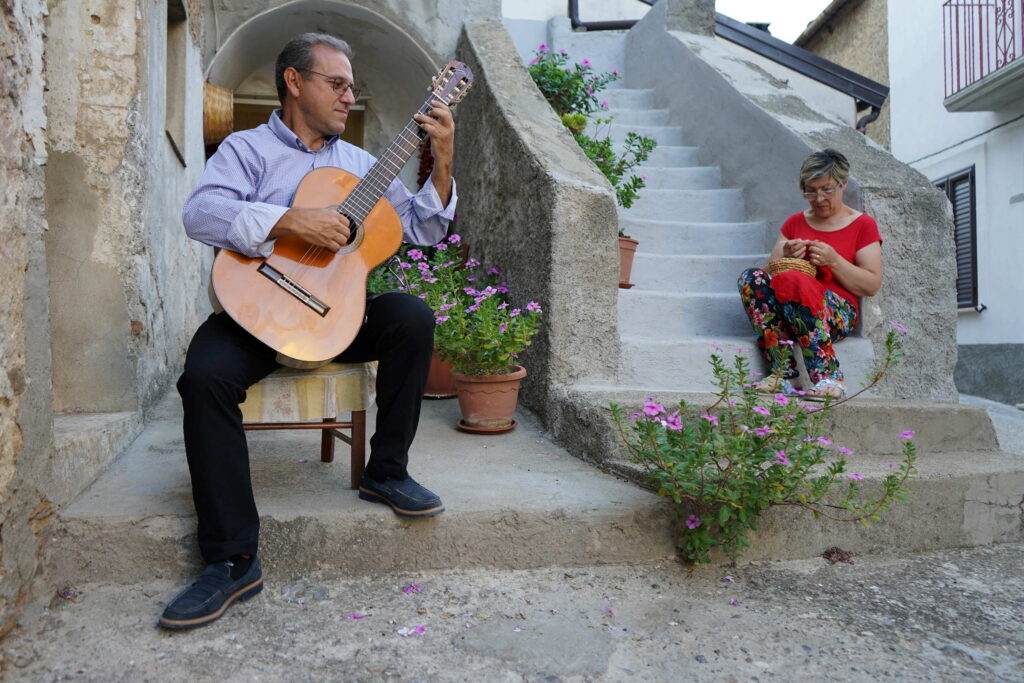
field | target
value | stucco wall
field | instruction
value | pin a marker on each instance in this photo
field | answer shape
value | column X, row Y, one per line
column 758, row 130
column 532, row 204
column 857, row 37
column 25, row 511
column 117, row 256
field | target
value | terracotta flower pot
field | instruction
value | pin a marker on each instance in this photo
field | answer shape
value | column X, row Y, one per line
column 488, row 402
column 627, row 249
column 440, row 383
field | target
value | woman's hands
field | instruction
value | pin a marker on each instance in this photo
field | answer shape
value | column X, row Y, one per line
column 822, row 254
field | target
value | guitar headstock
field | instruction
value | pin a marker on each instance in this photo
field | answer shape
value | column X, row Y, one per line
column 452, row 83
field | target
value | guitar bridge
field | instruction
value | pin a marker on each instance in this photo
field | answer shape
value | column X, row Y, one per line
column 294, row 288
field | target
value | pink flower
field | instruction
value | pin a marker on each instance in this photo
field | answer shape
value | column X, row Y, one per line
column 441, row 318
column 514, row 313
column 534, row 306
column 503, row 305
column 762, row 410
column 844, row 450
column 415, row 254
column 604, row 104
column 909, row 434
column 781, row 459
column 711, row 418
column 502, row 327
column 493, row 271
column 673, row 422
column 454, row 239
column 787, row 342
column 543, row 48
column 763, row 431
column 824, row 441
column 651, row 408
column 693, row 521
column 472, row 263
column 851, row 475
column 781, row 399
column 899, row 327
column 404, row 266
column 441, row 247
column 585, row 63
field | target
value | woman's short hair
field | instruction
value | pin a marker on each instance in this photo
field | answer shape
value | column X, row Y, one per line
column 827, row 162
column 298, row 54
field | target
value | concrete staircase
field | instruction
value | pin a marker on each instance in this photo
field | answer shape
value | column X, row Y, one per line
column 695, row 236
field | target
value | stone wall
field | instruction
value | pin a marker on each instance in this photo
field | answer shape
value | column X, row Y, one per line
column 25, row 511
column 531, row 204
column 857, row 37
column 758, row 130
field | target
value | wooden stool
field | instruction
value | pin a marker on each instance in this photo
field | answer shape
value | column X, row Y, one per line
column 313, row 399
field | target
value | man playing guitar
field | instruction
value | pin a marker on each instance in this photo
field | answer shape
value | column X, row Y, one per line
column 242, row 204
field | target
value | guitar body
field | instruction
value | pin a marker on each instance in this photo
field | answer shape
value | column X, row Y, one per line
column 276, row 315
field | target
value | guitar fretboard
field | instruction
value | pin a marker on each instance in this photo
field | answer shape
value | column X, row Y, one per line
column 372, row 187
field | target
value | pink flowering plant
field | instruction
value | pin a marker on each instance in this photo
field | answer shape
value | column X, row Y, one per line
column 477, row 328
column 749, row 452
column 568, row 88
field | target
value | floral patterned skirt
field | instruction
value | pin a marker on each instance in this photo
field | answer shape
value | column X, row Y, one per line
column 781, row 324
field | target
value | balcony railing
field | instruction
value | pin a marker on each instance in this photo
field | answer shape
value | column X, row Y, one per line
column 980, row 38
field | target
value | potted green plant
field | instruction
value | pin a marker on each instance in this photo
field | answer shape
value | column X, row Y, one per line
column 572, row 91
column 482, row 334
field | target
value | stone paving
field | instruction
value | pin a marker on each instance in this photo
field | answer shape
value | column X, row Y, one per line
column 943, row 616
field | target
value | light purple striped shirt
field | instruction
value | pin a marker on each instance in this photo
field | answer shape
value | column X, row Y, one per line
column 250, row 182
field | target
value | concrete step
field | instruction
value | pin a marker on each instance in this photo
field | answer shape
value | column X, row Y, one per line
column 638, row 117
column 663, row 135
column 84, row 445
column 629, row 98
column 699, row 206
column 671, row 316
column 690, row 273
column 137, row 522
column 675, row 237
column 669, row 155
column 688, row 178
column 683, row 364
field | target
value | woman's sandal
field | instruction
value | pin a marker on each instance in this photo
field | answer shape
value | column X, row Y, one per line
column 773, row 384
column 826, row 388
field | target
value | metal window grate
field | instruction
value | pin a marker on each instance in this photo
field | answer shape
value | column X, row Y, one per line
column 980, row 37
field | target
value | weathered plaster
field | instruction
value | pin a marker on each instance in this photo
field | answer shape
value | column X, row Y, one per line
column 25, row 512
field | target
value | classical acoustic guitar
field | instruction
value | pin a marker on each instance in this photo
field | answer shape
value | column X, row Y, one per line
column 304, row 301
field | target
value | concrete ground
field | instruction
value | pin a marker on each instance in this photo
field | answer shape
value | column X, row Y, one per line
column 516, row 607
column 943, row 616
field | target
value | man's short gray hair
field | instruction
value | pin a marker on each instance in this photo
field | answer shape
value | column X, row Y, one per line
column 827, row 162
column 298, row 54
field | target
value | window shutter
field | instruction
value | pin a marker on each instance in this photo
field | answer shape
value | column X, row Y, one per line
column 959, row 188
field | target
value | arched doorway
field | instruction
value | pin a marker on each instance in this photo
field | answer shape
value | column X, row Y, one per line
column 390, row 65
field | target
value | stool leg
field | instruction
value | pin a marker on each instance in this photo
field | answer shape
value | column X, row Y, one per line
column 326, row 443
column 358, row 447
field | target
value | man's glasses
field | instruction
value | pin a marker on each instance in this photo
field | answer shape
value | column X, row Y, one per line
column 825, row 192
column 340, row 85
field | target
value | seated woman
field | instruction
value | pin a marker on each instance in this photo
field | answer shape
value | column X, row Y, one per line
column 814, row 312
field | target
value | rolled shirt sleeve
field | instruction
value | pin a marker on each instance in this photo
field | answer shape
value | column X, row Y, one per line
column 424, row 219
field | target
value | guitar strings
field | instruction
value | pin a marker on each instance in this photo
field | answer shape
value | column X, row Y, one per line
column 376, row 183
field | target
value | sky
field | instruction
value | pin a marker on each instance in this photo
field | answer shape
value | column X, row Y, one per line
column 788, row 18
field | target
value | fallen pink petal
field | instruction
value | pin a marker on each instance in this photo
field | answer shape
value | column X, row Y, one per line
column 357, row 616
column 729, row 579
column 407, row 631
column 517, row 629
column 734, row 602
column 853, row 475
column 412, row 588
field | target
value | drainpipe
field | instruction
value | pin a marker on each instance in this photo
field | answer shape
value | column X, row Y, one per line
column 862, row 123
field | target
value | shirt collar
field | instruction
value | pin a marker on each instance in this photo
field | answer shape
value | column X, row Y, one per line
column 285, row 135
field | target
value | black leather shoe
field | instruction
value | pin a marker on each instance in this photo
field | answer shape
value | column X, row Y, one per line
column 405, row 496
column 210, row 596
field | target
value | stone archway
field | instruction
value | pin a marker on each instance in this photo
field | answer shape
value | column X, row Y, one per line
column 390, row 64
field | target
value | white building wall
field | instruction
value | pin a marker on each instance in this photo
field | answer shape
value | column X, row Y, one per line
column 590, row 10
column 938, row 142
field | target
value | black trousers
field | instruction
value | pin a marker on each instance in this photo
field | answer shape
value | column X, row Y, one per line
column 224, row 360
